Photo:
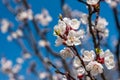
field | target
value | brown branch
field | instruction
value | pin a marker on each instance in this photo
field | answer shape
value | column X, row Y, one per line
column 38, row 53
column 62, row 4
column 73, row 48
column 69, row 77
column 9, row 7
column 44, row 38
column 115, row 12
column 90, row 27
column 96, row 45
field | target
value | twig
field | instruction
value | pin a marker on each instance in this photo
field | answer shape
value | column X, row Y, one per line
column 69, row 77
column 44, row 38
column 118, row 44
column 73, row 48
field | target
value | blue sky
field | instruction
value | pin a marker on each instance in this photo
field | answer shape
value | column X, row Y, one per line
column 12, row 51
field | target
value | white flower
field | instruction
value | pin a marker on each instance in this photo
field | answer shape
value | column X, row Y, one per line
column 101, row 27
column 15, row 35
column 76, row 62
column 44, row 18
column 67, row 32
column 26, row 55
column 16, row 68
column 25, row 15
column 22, row 15
column 92, row 2
column 73, row 37
column 43, row 75
column 101, row 24
column 109, row 59
column 73, row 23
column 43, row 43
column 94, row 68
column 19, row 32
column 4, row 25
column 88, row 55
column 66, row 53
column 60, row 28
column 6, row 65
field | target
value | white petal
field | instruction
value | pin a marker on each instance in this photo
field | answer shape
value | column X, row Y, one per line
column 73, row 38
column 109, row 59
column 43, row 43
column 94, row 68
column 44, row 18
column 66, row 53
column 75, row 24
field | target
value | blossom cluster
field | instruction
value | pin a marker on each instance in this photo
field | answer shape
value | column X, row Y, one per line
column 25, row 15
column 5, row 25
column 11, row 70
column 92, row 62
column 43, row 18
column 68, row 32
column 100, row 27
column 14, row 35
